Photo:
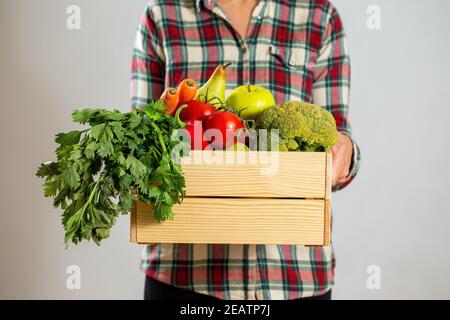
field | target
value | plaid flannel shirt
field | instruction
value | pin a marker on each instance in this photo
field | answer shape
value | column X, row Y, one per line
column 297, row 50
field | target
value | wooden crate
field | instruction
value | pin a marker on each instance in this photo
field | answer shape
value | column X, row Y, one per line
column 245, row 202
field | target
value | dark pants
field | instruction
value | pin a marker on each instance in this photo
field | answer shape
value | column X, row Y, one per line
column 155, row 290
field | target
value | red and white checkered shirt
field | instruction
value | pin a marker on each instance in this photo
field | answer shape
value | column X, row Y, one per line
column 296, row 49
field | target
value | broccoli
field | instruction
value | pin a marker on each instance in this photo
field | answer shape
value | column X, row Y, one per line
column 302, row 126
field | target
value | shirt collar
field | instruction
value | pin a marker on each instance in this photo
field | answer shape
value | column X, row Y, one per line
column 208, row 3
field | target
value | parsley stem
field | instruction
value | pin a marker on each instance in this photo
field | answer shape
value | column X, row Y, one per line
column 94, row 191
column 160, row 137
column 82, row 211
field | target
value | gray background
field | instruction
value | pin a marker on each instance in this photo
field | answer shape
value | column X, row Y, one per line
column 395, row 215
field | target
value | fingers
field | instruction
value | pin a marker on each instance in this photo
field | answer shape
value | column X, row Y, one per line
column 340, row 169
column 341, row 160
column 341, row 181
column 338, row 179
column 334, row 182
column 336, row 170
column 334, row 150
column 340, row 172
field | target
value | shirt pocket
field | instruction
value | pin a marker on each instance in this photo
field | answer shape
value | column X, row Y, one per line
column 290, row 73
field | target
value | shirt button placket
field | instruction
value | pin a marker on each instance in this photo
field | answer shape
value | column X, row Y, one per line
column 246, row 59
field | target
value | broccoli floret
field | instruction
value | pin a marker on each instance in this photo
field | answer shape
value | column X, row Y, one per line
column 302, row 126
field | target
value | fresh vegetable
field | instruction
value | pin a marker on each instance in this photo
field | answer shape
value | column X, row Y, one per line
column 226, row 124
column 196, row 111
column 213, row 91
column 194, row 129
column 302, row 126
column 238, row 147
column 122, row 157
column 170, row 98
column 195, row 132
column 187, row 90
column 249, row 101
column 99, row 168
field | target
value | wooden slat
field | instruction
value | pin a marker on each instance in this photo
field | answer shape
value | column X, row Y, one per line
column 236, row 221
column 328, row 174
column 133, row 223
column 327, row 210
column 327, row 223
column 248, row 174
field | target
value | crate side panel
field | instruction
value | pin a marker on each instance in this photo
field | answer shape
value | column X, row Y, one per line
column 236, row 221
column 133, row 223
column 328, row 174
column 255, row 174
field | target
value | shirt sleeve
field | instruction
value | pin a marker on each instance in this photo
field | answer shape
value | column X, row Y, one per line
column 148, row 63
column 331, row 88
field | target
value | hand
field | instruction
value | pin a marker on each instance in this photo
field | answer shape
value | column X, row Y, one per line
column 342, row 159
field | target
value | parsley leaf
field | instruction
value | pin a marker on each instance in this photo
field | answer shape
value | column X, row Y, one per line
column 99, row 168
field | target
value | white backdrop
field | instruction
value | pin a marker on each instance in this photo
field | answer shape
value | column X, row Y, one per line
column 394, row 216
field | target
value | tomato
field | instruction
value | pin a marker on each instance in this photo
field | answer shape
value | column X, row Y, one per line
column 226, row 125
column 196, row 111
column 195, row 132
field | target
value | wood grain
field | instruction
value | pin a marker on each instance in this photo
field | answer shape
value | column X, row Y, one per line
column 236, row 221
column 133, row 223
column 327, row 223
column 328, row 174
column 255, row 174
column 327, row 209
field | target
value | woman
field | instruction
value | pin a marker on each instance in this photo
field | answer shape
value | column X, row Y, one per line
column 297, row 50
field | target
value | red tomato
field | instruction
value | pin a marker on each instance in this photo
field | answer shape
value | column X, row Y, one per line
column 195, row 131
column 226, row 125
column 196, row 111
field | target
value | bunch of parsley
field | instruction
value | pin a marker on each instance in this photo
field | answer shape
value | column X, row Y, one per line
column 119, row 158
